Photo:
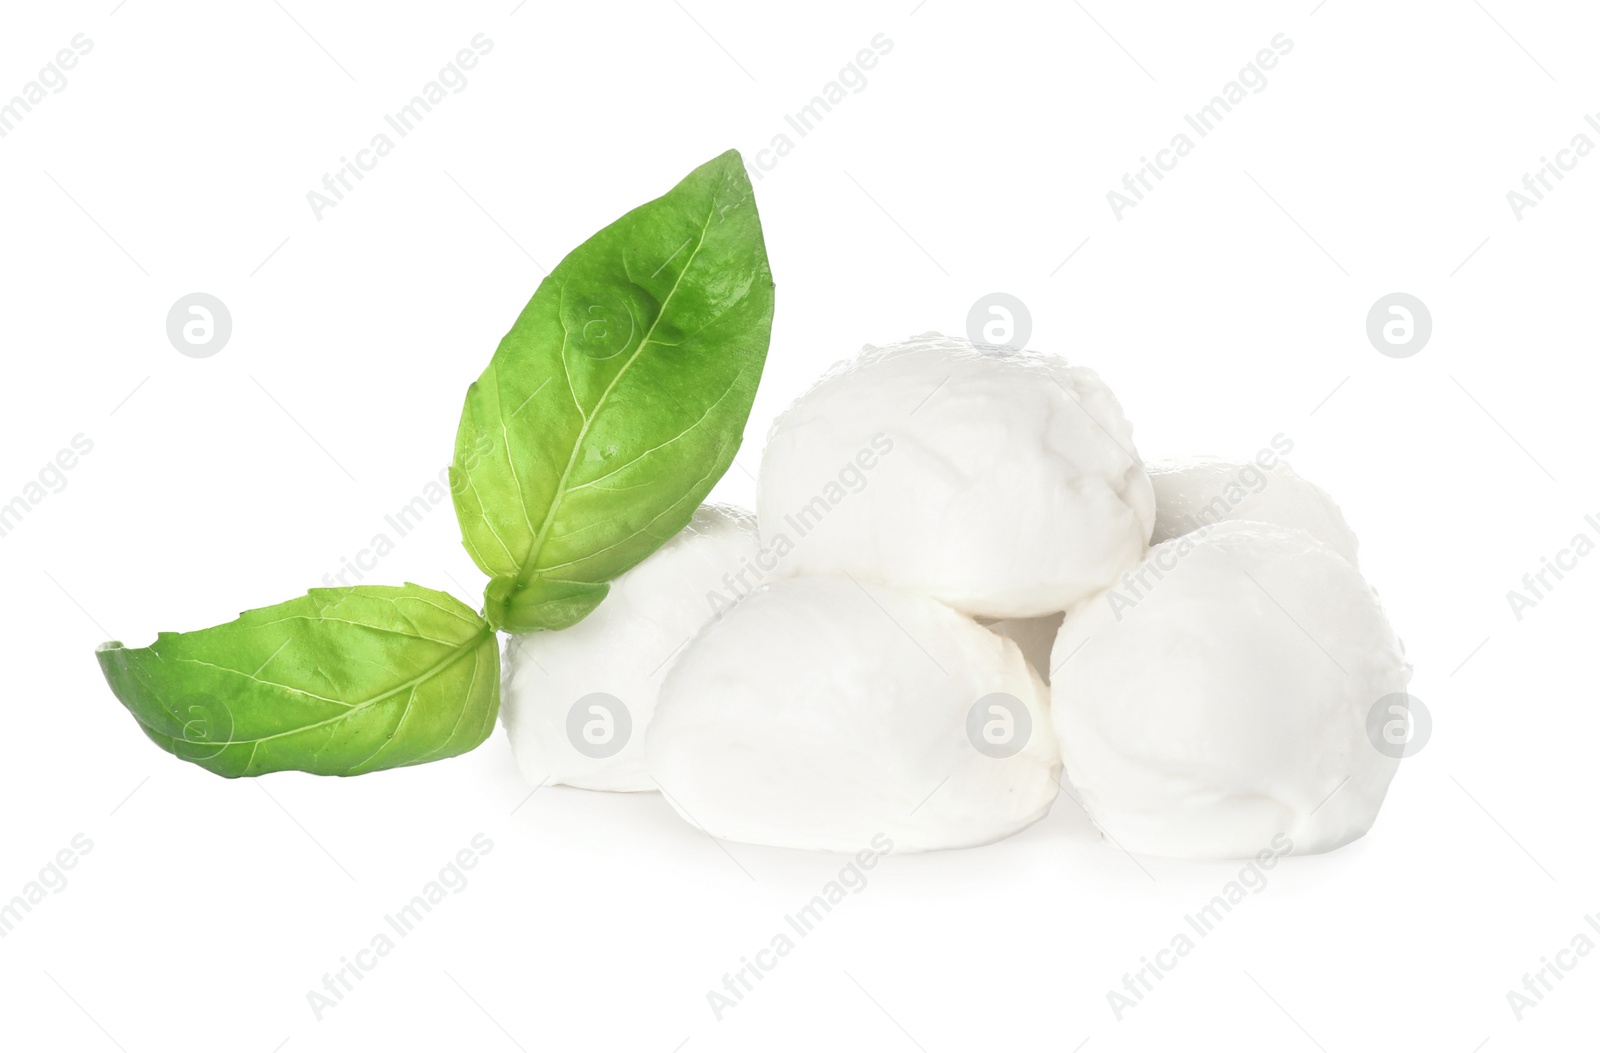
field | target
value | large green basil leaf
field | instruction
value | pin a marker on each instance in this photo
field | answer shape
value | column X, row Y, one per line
column 337, row 682
column 616, row 401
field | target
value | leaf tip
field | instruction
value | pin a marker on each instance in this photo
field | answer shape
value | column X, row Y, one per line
column 730, row 167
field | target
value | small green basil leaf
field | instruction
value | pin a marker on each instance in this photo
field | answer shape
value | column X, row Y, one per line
column 337, row 682
column 616, row 401
column 552, row 604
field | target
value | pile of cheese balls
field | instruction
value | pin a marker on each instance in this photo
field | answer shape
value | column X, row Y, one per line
column 962, row 594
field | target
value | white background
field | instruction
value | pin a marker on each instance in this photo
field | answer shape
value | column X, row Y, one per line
column 1227, row 307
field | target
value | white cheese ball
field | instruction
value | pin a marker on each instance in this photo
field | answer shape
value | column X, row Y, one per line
column 1004, row 483
column 1220, row 697
column 821, row 713
column 576, row 703
column 1194, row 492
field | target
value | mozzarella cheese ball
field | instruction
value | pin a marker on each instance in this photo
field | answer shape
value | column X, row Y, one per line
column 576, row 702
column 822, row 712
column 1197, row 491
column 1004, row 483
column 1219, row 697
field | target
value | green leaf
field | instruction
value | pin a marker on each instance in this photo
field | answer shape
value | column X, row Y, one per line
column 616, row 401
column 337, row 682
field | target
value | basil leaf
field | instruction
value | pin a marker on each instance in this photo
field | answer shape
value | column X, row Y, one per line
column 616, row 401
column 337, row 682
